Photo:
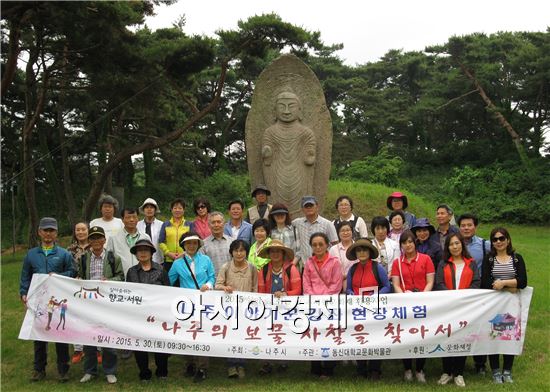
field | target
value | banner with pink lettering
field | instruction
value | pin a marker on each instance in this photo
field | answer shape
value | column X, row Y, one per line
column 249, row 325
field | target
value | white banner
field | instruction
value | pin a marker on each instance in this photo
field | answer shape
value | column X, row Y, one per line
column 248, row 325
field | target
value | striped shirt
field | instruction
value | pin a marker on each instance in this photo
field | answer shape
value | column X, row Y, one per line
column 504, row 271
column 304, row 230
column 217, row 250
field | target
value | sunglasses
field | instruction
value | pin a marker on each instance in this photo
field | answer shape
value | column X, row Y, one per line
column 499, row 239
column 201, row 206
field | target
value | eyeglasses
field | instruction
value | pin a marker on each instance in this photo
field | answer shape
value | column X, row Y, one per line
column 201, row 206
column 499, row 239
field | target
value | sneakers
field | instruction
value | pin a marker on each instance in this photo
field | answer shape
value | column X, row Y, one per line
column 200, row 375
column 408, row 376
column 241, row 372
column 99, row 358
column 507, row 377
column 63, row 377
column 38, row 375
column 87, row 377
column 459, row 381
column 232, row 372
column 497, row 377
column 420, row 377
column 111, row 379
column 77, row 357
column 444, row 379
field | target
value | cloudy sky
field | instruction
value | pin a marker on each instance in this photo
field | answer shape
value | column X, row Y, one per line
column 368, row 29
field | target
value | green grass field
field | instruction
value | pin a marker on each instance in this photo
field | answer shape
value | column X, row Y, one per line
column 531, row 370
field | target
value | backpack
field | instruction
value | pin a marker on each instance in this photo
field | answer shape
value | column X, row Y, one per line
column 374, row 271
column 356, row 235
column 266, row 267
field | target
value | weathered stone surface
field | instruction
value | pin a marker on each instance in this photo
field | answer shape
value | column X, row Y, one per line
column 289, row 134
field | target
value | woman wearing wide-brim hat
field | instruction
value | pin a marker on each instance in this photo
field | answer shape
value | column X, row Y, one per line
column 362, row 276
column 279, row 277
column 193, row 270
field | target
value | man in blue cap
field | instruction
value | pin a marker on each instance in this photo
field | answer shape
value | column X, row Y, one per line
column 48, row 258
column 311, row 223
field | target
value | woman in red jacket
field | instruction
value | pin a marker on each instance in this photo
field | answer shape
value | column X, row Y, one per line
column 279, row 277
column 458, row 271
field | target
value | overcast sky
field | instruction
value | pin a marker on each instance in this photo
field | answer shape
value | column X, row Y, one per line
column 368, row 29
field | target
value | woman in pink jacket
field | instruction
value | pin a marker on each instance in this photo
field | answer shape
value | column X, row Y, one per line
column 322, row 276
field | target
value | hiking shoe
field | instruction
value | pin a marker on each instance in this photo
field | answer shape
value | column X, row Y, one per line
column 420, row 377
column 190, row 370
column 38, row 375
column 77, row 357
column 480, row 370
column 87, row 377
column 507, row 377
column 266, row 369
column 241, row 372
column 459, row 381
column 444, row 379
column 63, row 377
column 497, row 377
column 408, row 376
column 100, row 358
column 232, row 372
column 200, row 375
column 111, row 379
column 124, row 354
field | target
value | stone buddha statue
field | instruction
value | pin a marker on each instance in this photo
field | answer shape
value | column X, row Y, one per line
column 289, row 153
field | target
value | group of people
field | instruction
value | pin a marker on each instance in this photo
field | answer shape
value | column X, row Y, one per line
column 267, row 251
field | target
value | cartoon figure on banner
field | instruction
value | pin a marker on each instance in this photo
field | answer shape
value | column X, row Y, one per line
column 52, row 303
column 63, row 306
column 504, row 326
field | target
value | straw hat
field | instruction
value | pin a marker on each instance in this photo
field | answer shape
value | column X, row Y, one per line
column 351, row 253
column 276, row 244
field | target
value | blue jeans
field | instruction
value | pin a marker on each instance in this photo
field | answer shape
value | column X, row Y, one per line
column 90, row 360
column 236, row 362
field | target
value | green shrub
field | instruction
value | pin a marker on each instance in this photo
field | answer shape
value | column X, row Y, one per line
column 379, row 169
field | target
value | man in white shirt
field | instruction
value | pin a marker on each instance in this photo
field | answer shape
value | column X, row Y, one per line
column 150, row 225
column 108, row 206
column 122, row 241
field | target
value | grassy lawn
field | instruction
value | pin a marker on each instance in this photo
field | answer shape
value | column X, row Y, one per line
column 531, row 370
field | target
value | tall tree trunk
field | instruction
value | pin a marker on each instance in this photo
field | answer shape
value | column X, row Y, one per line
column 31, row 116
column 51, row 174
column 148, row 168
column 67, row 182
column 116, row 159
column 500, row 118
column 14, row 48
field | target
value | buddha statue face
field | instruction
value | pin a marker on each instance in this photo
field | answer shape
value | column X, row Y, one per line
column 288, row 108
